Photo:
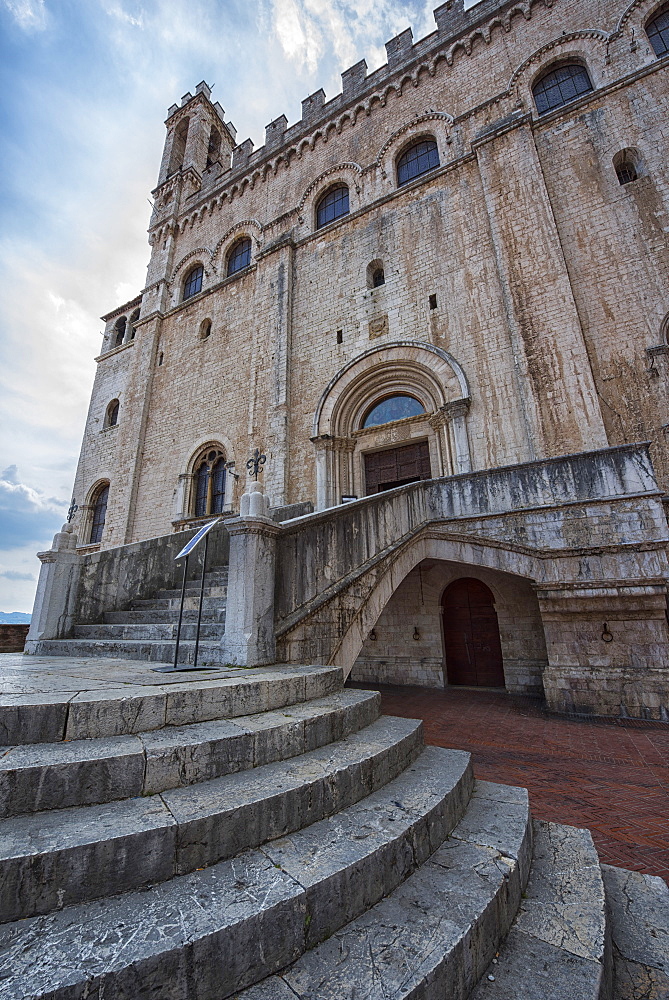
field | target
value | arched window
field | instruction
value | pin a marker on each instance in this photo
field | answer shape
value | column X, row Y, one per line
column 119, row 331
column 99, row 513
column 239, row 256
column 112, row 413
column 205, row 329
column 193, row 282
column 626, row 164
column 375, row 274
column 657, row 30
column 560, row 86
column 332, row 205
column 416, row 160
column 393, row 408
column 209, row 493
column 133, row 321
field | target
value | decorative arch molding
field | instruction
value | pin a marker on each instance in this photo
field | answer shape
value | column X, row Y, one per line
column 580, row 45
column 348, row 173
column 201, row 255
column 423, row 371
column 419, row 353
column 247, row 227
column 183, row 492
column 639, row 10
column 417, row 128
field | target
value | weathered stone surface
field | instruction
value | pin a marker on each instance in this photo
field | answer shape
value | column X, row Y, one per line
column 218, row 818
column 558, row 945
column 48, row 860
column 27, row 718
column 82, row 772
column 639, row 908
column 431, row 937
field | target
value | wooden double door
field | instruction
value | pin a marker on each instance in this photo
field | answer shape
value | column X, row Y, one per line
column 384, row 470
column 472, row 648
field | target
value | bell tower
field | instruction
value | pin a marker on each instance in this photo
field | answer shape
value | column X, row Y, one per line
column 198, row 137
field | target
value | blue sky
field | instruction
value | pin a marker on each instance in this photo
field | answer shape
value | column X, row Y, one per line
column 84, row 90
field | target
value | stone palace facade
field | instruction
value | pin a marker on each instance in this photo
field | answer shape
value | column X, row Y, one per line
column 458, row 266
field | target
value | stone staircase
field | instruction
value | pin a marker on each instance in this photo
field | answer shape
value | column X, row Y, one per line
column 267, row 835
column 147, row 630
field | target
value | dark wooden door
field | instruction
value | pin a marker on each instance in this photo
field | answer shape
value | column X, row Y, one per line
column 472, row 649
column 396, row 466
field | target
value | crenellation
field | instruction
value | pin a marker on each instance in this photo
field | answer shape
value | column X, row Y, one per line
column 274, row 132
column 353, row 80
column 399, row 49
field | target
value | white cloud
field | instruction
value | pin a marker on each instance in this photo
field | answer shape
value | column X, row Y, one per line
column 30, row 15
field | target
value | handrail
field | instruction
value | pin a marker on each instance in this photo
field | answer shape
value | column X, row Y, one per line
column 185, row 553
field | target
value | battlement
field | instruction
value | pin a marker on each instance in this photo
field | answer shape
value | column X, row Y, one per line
column 452, row 20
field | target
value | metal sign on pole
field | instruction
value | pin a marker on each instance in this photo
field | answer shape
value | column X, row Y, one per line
column 185, row 553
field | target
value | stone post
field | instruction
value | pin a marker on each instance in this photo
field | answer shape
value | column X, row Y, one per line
column 249, row 638
column 55, row 600
column 456, row 413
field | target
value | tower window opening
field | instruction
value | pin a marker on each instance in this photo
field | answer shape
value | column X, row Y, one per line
column 378, row 278
column 657, row 30
column 333, row 205
column 133, row 321
column 178, row 146
column 112, row 413
column 418, row 159
column 340, row 336
column 240, row 256
column 214, row 148
column 433, row 301
column 205, row 329
column 193, row 282
column 560, row 86
column 119, row 331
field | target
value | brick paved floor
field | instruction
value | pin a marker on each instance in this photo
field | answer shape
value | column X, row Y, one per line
column 609, row 775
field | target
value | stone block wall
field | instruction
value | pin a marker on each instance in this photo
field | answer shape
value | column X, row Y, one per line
column 12, row 638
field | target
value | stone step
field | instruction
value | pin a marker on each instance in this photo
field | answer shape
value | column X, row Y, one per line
column 191, row 603
column 66, row 856
column 210, row 654
column 559, row 944
column 434, row 935
column 639, row 908
column 210, row 590
column 159, row 616
column 149, row 632
column 44, row 718
column 42, row 776
column 205, row 935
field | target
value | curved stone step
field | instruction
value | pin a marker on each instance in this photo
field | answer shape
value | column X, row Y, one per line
column 559, row 944
column 56, row 858
column 433, row 936
column 42, row 776
column 212, row 932
column 49, row 718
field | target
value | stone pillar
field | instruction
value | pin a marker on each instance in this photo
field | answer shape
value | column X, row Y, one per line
column 324, row 486
column 55, row 600
column 183, row 495
column 608, row 648
column 456, row 414
column 249, row 638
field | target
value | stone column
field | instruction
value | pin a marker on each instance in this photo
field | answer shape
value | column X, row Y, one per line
column 183, row 495
column 456, row 413
column 249, row 638
column 55, row 600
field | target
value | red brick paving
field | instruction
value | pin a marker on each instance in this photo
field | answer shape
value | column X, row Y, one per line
column 609, row 775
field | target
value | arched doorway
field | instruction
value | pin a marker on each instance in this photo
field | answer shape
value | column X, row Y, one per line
column 472, row 649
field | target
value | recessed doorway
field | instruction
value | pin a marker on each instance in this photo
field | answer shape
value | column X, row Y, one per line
column 472, row 648
column 384, row 470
